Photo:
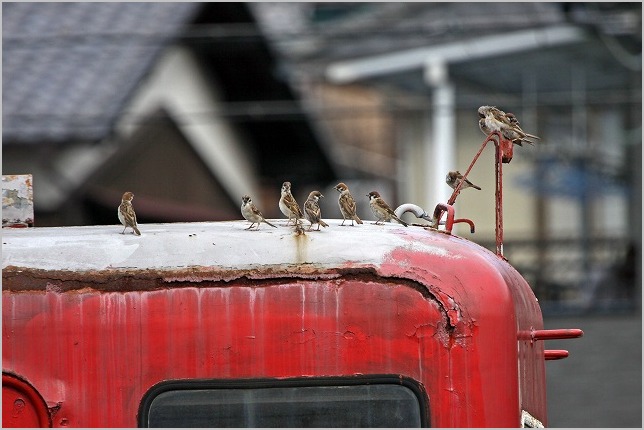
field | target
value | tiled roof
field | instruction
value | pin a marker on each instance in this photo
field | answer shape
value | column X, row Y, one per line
column 69, row 68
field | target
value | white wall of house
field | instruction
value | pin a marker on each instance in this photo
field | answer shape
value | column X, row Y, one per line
column 564, row 215
column 479, row 206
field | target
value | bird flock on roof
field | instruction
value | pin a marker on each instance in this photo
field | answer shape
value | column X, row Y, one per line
column 491, row 120
column 312, row 213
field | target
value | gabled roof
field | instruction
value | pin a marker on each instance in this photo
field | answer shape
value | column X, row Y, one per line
column 61, row 64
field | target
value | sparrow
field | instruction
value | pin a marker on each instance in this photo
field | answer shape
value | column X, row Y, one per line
column 312, row 210
column 252, row 214
column 381, row 210
column 492, row 119
column 454, row 178
column 288, row 205
column 518, row 139
column 347, row 204
column 126, row 213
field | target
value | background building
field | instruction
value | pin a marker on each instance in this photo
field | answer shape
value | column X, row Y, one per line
column 395, row 89
column 191, row 105
column 154, row 98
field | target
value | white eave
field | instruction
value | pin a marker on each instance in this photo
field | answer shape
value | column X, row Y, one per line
column 478, row 47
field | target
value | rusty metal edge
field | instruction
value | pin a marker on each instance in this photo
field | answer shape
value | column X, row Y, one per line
column 29, row 280
column 18, row 279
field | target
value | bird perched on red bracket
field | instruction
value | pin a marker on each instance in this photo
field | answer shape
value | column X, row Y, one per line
column 492, row 119
column 454, row 178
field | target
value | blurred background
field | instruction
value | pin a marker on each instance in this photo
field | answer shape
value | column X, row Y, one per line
column 192, row 105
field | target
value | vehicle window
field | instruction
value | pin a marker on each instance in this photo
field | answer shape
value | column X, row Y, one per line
column 363, row 405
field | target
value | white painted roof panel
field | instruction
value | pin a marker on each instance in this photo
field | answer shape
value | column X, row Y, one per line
column 226, row 245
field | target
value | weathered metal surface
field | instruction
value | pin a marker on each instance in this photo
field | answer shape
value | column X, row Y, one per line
column 219, row 246
column 17, row 201
column 22, row 406
column 107, row 315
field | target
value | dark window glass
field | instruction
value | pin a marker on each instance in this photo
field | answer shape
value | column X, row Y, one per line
column 377, row 405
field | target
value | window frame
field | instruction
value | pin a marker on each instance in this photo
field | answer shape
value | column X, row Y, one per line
column 252, row 383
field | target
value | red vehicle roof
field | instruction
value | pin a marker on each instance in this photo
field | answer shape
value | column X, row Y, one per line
column 342, row 301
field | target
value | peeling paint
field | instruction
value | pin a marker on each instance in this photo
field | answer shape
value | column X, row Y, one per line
column 371, row 301
column 17, row 201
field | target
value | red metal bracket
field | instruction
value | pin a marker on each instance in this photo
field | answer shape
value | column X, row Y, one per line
column 554, row 334
column 439, row 210
column 555, row 354
column 468, row 221
column 563, row 333
column 503, row 154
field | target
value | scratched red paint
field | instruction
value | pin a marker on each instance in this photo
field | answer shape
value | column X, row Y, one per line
column 289, row 330
column 492, row 304
column 453, row 327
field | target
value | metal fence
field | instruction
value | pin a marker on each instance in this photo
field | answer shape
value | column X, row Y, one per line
column 573, row 275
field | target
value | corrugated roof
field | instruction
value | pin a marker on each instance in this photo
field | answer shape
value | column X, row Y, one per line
column 377, row 28
column 368, row 30
column 69, row 68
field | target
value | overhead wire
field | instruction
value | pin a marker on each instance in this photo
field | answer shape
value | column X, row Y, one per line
column 276, row 109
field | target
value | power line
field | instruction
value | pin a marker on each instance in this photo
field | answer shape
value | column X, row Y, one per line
column 289, row 110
